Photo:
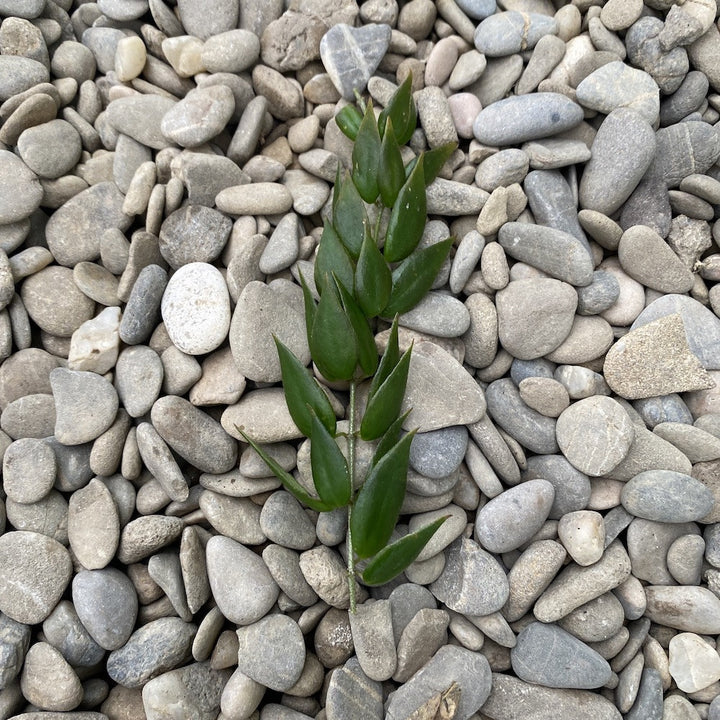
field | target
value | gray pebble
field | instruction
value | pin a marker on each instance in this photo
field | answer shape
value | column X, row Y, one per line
column 599, row 295
column 145, row 535
column 437, row 314
column 571, row 663
column 686, row 99
column 204, row 24
column 235, row 517
column 50, row 149
column 502, row 169
column 201, row 115
column 138, row 379
column 164, row 568
column 549, row 51
column 526, row 117
column 649, row 203
column 435, row 116
column 448, row 197
column 284, row 566
column 19, row 74
column 194, row 233
column 42, row 663
column 139, row 117
column 28, row 470
column 23, row 194
column 685, row 559
column 372, row 631
column 649, row 702
column 143, row 306
column 14, row 641
column 572, row 488
column 282, row 248
column 686, row 148
column 438, row 453
column 352, row 694
column 160, row 461
column 506, row 33
column 153, row 649
column 65, row 632
column 285, row 522
column 555, row 153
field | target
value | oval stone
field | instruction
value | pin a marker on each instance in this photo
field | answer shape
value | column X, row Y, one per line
column 684, row 607
column 667, row 496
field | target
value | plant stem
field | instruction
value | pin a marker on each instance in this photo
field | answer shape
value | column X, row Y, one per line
column 351, row 464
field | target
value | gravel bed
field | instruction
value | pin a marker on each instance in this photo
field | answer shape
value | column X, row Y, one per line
column 165, row 167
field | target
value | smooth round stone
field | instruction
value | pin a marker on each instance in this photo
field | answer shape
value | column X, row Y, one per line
column 535, row 316
column 194, row 435
column 51, row 149
column 272, row 652
column 439, row 453
column 694, row 663
column 549, row 656
column 507, row 33
column 48, row 681
column 107, row 605
column 502, row 169
column 75, row 422
column 510, row 519
column 28, row 470
column 648, row 544
column 700, row 145
column 93, row 525
column 263, row 414
column 29, row 416
column 196, row 308
column 595, row 621
column 283, row 246
column 34, row 572
column 21, row 192
column 686, row 99
column 599, row 295
column 478, row 9
column 439, row 315
column 151, row 650
column 553, row 251
column 309, row 193
column 130, row 58
column 47, row 516
column 595, row 434
column 666, row 496
column 580, row 382
column 64, row 631
column 687, row 608
column 20, row 73
column 241, row 583
column 622, row 151
column 572, row 488
column 199, row 116
column 545, row 395
column 138, row 379
column 145, row 535
column 696, row 443
column 263, row 198
column 140, row 116
column 685, row 559
column 583, row 534
column 232, row 51
column 193, row 233
column 529, row 427
column 521, row 118
column 203, row 24
column 74, row 230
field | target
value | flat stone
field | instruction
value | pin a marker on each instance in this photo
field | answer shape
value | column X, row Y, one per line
column 263, row 414
column 285, row 522
column 607, row 424
column 326, row 573
column 107, row 605
column 263, row 198
column 437, row 314
column 666, row 496
column 206, row 175
column 458, row 585
column 48, row 680
column 19, row 74
column 143, row 305
column 196, row 308
column 570, row 663
column 686, row 148
column 511, row 518
column 506, row 33
column 352, row 695
column 284, row 566
column 145, row 535
column 140, row 117
column 241, row 583
column 698, row 444
column 64, row 631
column 152, row 650
column 661, row 349
column 436, row 381
column 76, row 423
column 351, row 55
column 193, row 233
column 502, row 169
column 138, row 379
column 553, row 153
column 271, row 651
column 572, row 488
column 526, row 117
column 622, row 151
column 535, row 316
column 203, row 24
column 50, row 149
column 201, row 115
column 34, row 572
column 438, row 453
column 686, row 608
column 648, row 544
column 14, row 641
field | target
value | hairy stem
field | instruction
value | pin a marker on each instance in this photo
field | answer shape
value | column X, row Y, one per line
column 351, row 464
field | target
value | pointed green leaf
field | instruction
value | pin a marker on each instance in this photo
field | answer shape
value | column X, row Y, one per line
column 394, row 558
column 408, row 216
column 367, row 350
column 373, row 279
column 329, row 467
column 378, row 503
column 303, row 394
column 401, row 110
column 389, row 360
column 309, row 302
column 433, row 161
column 389, row 439
column 332, row 343
column 332, row 259
column 384, row 405
column 290, row 483
column 348, row 120
column 414, row 277
column 366, row 157
column 391, row 171
column 349, row 216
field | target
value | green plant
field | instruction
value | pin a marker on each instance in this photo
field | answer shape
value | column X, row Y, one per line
column 364, row 271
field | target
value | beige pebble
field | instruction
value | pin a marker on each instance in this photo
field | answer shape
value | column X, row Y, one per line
column 582, row 533
column 130, row 57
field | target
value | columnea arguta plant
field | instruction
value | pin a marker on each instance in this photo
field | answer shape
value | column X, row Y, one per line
column 364, row 272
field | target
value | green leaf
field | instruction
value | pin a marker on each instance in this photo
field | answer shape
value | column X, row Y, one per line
column 378, row 503
column 389, row 439
column 414, row 277
column 391, row 171
column 367, row 350
column 366, row 157
column 373, row 279
column 394, row 558
column 309, row 302
column 304, row 396
column 332, row 259
column 407, row 218
column 384, row 405
column 332, row 342
column 348, row 120
column 349, row 216
column 433, row 161
column 329, row 467
column 401, row 110
column 290, row 483
column 389, row 360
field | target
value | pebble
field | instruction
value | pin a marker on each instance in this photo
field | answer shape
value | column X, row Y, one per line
column 506, row 33
column 28, row 470
column 526, row 117
column 372, row 631
column 696, row 443
column 701, row 148
column 284, row 521
column 64, row 631
column 694, row 664
column 254, row 199
column 438, row 315
column 352, row 694
column 194, row 233
column 199, row 116
column 502, row 169
column 582, row 533
column 50, row 149
column 34, row 573
column 439, row 453
column 143, row 536
column 143, row 305
column 572, row 663
column 107, row 605
column 48, row 681
column 138, row 379
column 153, row 649
column 644, row 50
column 668, row 363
